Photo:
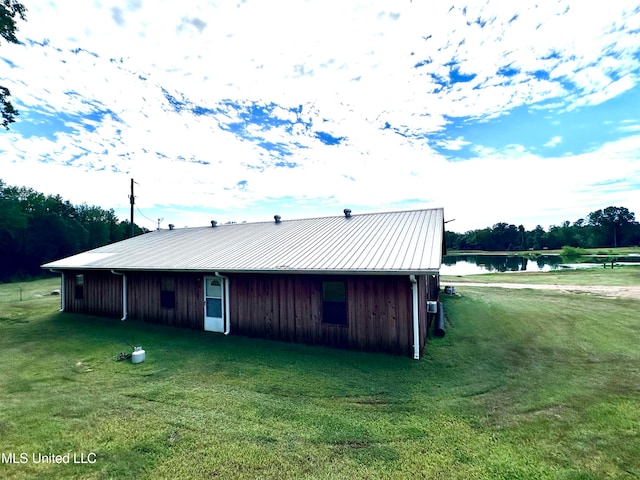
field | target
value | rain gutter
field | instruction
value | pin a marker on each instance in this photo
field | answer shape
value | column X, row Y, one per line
column 62, row 295
column 416, row 325
column 124, row 294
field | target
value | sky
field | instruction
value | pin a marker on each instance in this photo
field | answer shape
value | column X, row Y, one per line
column 497, row 111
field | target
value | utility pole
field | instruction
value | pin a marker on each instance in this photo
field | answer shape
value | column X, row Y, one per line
column 132, row 200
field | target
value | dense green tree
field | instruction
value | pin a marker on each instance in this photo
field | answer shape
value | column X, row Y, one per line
column 559, row 236
column 452, row 240
column 481, row 239
column 613, row 222
column 609, row 227
column 7, row 110
column 10, row 11
column 505, row 236
column 538, row 235
column 37, row 228
column 523, row 238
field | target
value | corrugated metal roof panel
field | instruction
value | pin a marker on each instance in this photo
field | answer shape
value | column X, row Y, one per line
column 408, row 241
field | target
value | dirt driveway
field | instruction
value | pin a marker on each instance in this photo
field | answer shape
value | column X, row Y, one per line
column 602, row 290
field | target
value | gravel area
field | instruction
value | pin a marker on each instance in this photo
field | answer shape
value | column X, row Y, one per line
column 603, row 290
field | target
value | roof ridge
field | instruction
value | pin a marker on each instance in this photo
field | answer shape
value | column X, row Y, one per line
column 284, row 220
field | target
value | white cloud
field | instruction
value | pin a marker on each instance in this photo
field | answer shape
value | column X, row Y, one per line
column 515, row 190
column 456, row 144
column 555, row 141
column 629, row 128
column 352, row 69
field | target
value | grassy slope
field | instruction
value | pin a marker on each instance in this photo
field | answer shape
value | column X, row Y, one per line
column 524, row 385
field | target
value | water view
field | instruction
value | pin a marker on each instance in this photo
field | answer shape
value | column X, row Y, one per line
column 475, row 264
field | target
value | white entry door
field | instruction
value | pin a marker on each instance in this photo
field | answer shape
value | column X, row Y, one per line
column 213, row 304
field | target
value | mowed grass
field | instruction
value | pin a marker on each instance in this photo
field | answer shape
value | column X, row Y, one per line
column 617, row 251
column 619, row 276
column 525, row 384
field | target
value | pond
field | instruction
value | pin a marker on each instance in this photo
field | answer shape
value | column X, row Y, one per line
column 475, row 264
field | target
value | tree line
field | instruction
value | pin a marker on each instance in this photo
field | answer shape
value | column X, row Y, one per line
column 37, row 228
column 608, row 227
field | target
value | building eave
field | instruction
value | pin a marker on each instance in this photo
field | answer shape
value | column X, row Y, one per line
column 275, row 271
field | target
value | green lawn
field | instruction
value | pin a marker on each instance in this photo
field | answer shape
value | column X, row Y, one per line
column 618, row 276
column 525, row 385
column 617, row 251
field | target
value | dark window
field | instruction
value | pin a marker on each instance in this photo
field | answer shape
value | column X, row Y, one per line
column 79, row 287
column 167, row 292
column 334, row 303
column 214, row 307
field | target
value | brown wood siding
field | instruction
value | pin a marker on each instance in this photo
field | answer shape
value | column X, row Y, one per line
column 143, row 297
column 102, row 294
column 428, row 290
column 289, row 308
column 380, row 313
column 279, row 307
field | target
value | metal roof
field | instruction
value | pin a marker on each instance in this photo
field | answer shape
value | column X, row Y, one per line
column 392, row 242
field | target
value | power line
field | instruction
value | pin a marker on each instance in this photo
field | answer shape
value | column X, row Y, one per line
column 143, row 215
column 138, row 209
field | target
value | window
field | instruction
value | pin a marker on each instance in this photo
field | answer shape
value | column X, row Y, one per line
column 214, row 298
column 79, row 287
column 334, row 303
column 167, row 292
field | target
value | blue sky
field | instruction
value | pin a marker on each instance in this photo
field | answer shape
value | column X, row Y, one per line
column 237, row 111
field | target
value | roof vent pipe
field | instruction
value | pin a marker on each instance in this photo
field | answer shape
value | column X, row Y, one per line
column 213, row 224
column 277, row 218
column 171, row 226
column 347, row 212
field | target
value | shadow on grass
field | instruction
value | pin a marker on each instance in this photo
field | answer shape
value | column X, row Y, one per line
column 271, row 367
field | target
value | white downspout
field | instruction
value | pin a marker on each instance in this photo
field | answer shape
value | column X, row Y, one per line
column 124, row 294
column 227, row 316
column 416, row 324
column 62, row 296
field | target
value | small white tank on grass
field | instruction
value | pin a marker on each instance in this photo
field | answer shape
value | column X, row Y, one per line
column 138, row 355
